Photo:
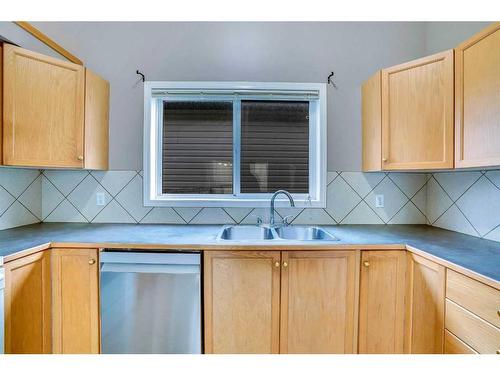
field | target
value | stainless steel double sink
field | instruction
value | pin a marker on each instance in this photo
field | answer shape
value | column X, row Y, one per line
column 263, row 233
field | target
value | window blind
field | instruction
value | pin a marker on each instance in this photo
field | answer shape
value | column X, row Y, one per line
column 197, row 147
column 274, row 146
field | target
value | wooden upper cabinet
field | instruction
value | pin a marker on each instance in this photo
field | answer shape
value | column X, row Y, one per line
column 371, row 114
column 417, row 114
column 424, row 306
column 382, row 302
column 28, row 305
column 96, row 121
column 477, row 98
column 43, row 110
column 242, row 297
column 75, row 300
column 319, row 301
column 55, row 112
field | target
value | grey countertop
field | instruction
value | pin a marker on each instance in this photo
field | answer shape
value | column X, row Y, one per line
column 475, row 254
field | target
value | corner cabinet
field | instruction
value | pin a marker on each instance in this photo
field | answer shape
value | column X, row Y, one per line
column 425, row 306
column 382, row 302
column 477, row 98
column 75, row 301
column 55, row 113
column 317, row 312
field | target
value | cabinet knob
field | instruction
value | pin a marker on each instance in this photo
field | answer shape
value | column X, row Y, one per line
column 498, row 312
column 366, row 263
column 285, row 264
column 384, row 160
column 80, row 157
column 498, row 351
column 91, row 261
column 277, row 264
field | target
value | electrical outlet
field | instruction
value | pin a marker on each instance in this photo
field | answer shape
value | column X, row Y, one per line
column 379, row 200
column 100, row 199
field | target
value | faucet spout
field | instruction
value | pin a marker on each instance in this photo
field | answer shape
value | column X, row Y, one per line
column 271, row 212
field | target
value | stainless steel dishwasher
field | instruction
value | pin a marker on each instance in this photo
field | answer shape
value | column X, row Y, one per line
column 150, row 302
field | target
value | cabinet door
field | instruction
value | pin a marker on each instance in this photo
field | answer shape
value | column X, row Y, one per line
column 477, row 98
column 96, row 121
column 425, row 306
column 417, row 114
column 28, row 305
column 371, row 115
column 43, row 110
column 318, row 301
column 75, row 301
column 241, row 296
column 381, row 302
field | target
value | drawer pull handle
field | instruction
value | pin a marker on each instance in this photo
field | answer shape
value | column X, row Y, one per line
column 366, row 263
column 91, row 261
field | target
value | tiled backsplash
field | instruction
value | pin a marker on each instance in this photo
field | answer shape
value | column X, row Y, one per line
column 71, row 196
column 20, row 197
column 467, row 202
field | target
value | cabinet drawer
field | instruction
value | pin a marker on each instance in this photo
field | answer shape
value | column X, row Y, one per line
column 481, row 299
column 453, row 345
column 474, row 331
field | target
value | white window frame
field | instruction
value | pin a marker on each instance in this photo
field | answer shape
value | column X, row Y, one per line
column 153, row 142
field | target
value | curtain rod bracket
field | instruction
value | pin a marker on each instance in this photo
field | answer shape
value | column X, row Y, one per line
column 142, row 75
column 330, row 80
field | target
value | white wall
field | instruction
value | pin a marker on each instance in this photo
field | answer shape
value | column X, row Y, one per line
column 440, row 36
column 295, row 52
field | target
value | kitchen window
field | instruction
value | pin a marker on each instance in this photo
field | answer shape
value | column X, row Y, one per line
column 232, row 144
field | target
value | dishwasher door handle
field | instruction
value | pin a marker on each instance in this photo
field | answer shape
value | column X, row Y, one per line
column 173, row 269
column 129, row 257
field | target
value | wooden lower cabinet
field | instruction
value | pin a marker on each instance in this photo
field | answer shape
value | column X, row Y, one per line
column 453, row 345
column 75, row 301
column 318, row 301
column 242, row 297
column 318, row 311
column 28, row 305
column 382, row 302
column 425, row 306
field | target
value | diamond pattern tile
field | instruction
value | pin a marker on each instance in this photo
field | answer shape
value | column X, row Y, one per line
column 481, row 198
column 84, row 197
column 464, row 201
column 362, row 214
column 409, row 183
column 363, row 183
column 65, row 213
column 51, row 197
column 455, row 220
column 394, row 199
column 65, row 181
column 437, row 201
column 15, row 181
column 340, row 199
column 131, row 199
column 162, row 215
column 311, row 216
column 456, row 183
column 212, row 215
